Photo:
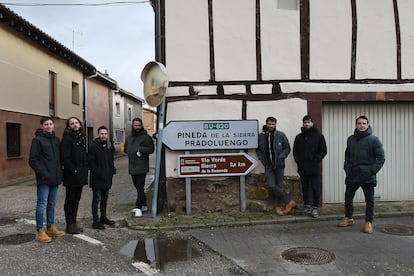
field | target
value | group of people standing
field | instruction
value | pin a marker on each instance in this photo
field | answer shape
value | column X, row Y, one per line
column 364, row 157
column 68, row 162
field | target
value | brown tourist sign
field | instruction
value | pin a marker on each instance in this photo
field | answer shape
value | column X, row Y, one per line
column 225, row 164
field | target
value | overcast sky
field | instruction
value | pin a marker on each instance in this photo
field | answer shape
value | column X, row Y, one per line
column 118, row 38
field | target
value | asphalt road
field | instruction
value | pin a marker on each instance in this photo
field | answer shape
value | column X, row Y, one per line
column 280, row 248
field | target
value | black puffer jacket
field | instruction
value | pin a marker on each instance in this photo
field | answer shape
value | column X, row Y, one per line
column 364, row 157
column 101, row 165
column 74, row 159
column 309, row 149
column 44, row 158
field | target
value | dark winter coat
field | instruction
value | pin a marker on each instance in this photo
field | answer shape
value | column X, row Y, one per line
column 44, row 158
column 74, row 159
column 281, row 149
column 364, row 157
column 101, row 165
column 143, row 143
column 309, row 149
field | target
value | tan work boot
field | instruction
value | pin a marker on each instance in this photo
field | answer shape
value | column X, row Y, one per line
column 52, row 230
column 368, row 227
column 279, row 211
column 346, row 222
column 41, row 236
column 289, row 207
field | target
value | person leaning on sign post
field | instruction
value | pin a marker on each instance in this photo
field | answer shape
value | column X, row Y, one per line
column 139, row 145
column 272, row 151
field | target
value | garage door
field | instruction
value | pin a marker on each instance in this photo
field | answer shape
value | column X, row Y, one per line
column 393, row 123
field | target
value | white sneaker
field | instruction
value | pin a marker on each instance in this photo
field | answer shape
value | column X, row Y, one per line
column 138, row 213
column 144, row 208
column 133, row 210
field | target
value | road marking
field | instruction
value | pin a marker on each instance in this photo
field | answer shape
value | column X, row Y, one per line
column 88, row 239
column 27, row 221
column 145, row 268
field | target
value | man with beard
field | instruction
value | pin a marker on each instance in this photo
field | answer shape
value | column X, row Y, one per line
column 272, row 151
column 308, row 150
column 75, row 170
column 101, row 165
column 139, row 145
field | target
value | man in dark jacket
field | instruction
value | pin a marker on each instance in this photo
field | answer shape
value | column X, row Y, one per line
column 75, row 170
column 272, row 151
column 139, row 145
column 364, row 157
column 309, row 149
column 45, row 161
column 102, row 169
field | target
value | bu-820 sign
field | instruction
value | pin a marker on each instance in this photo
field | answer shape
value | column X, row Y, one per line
column 200, row 135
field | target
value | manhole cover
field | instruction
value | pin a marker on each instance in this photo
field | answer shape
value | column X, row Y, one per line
column 5, row 221
column 308, row 255
column 17, row 239
column 400, row 230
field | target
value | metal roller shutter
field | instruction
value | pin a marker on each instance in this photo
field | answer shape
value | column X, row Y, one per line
column 393, row 123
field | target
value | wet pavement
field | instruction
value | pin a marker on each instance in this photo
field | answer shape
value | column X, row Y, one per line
column 239, row 244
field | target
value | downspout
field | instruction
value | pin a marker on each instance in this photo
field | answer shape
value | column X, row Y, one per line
column 85, row 105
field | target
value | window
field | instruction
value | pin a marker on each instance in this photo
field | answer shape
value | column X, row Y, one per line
column 13, row 139
column 287, row 4
column 129, row 113
column 118, row 108
column 119, row 136
column 75, row 93
column 52, row 93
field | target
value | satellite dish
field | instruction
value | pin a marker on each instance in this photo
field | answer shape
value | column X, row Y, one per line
column 155, row 79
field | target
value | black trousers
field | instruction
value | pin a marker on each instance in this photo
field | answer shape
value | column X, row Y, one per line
column 368, row 190
column 99, row 197
column 73, row 196
column 139, row 183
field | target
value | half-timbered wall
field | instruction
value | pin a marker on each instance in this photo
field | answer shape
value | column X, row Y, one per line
column 249, row 59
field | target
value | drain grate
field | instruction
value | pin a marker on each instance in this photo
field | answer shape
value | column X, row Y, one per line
column 5, row 221
column 16, row 239
column 393, row 229
column 308, row 255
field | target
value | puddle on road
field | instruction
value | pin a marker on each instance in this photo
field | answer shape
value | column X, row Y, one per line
column 158, row 251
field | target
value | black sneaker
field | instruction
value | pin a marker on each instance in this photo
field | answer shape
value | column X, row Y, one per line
column 98, row 225
column 108, row 222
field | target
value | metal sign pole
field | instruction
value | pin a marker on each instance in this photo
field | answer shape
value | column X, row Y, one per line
column 158, row 158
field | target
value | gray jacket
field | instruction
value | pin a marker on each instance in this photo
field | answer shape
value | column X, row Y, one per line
column 281, row 148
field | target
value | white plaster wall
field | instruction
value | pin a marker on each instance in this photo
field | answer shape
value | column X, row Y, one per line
column 289, row 114
column 330, row 39
column 187, row 40
column 280, row 41
column 234, row 37
column 198, row 110
column 376, row 42
column 405, row 13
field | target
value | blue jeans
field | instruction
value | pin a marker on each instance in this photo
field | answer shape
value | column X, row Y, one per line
column 311, row 182
column 46, row 199
column 274, row 179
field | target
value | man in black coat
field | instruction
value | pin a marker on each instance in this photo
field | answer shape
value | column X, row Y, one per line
column 309, row 149
column 75, row 171
column 102, row 169
column 364, row 157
